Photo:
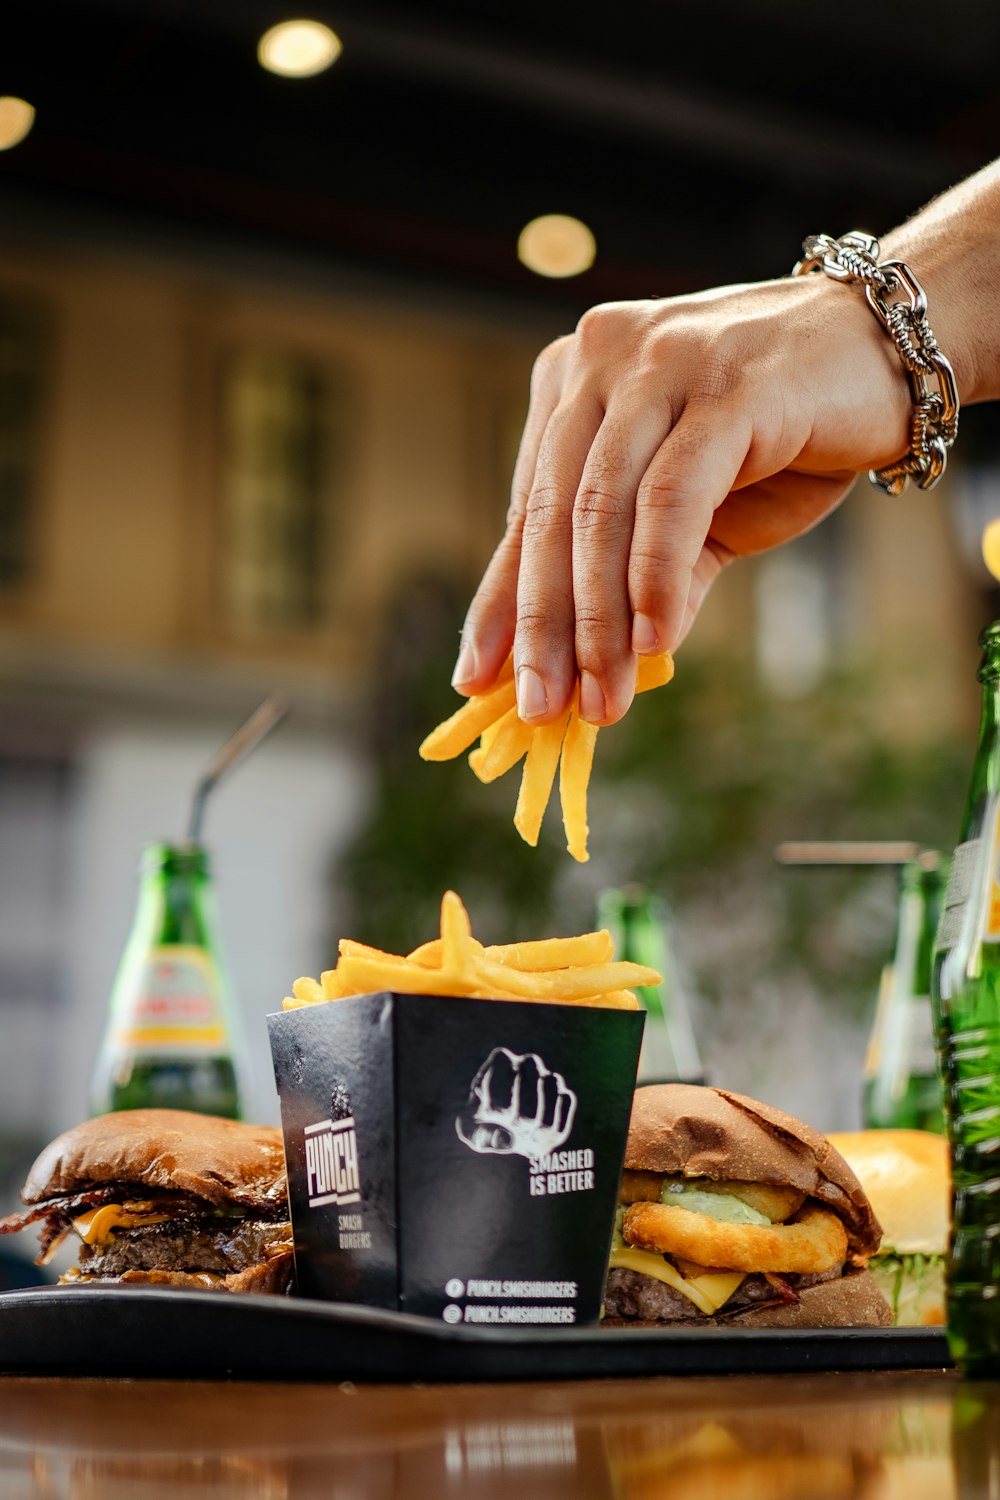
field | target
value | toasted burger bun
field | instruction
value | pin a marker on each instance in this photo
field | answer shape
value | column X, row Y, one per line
column 143, row 1188
column 223, row 1161
column 852, row 1301
column 905, row 1174
column 688, row 1130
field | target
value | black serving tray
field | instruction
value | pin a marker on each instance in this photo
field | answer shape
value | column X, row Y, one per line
column 138, row 1331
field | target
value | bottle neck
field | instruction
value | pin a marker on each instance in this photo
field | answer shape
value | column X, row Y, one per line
column 986, row 767
column 174, row 895
column 918, row 918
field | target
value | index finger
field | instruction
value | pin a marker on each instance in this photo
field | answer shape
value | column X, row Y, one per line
column 488, row 632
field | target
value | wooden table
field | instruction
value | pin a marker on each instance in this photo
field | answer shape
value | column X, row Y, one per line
column 916, row 1436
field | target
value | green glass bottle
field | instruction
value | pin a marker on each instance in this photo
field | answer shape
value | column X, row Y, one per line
column 171, row 1041
column 638, row 922
column 902, row 1084
column 966, row 996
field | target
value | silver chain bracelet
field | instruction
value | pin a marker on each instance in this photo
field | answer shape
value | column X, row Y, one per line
column 897, row 299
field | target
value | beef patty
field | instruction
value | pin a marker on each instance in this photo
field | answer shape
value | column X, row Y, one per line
column 629, row 1294
column 195, row 1244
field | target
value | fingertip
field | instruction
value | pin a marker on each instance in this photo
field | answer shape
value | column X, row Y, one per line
column 605, row 702
column 480, row 661
column 541, row 696
column 593, row 704
column 465, row 672
column 645, row 635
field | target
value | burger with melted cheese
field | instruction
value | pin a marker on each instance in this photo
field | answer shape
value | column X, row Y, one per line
column 164, row 1197
column 736, row 1214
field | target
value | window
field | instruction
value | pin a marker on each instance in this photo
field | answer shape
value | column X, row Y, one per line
column 281, row 431
column 22, row 358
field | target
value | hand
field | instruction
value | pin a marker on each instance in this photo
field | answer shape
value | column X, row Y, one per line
column 663, row 439
column 517, row 1106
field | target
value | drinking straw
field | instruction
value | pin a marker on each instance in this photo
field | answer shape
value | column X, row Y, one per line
column 247, row 738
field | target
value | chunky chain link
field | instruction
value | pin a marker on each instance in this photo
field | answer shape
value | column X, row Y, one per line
column 897, row 299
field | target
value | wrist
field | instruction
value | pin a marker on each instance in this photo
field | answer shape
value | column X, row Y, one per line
column 893, row 307
column 954, row 249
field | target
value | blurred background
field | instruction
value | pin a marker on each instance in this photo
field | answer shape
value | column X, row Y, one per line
column 265, row 343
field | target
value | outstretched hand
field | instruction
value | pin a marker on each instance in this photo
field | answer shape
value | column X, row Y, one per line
column 663, row 439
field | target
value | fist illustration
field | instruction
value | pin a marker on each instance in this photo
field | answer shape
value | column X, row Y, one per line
column 517, row 1106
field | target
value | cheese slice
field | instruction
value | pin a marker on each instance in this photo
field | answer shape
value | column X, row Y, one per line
column 707, row 1292
column 96, row 1225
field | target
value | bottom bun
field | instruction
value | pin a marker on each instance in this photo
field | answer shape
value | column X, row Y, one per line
column 852, row 1301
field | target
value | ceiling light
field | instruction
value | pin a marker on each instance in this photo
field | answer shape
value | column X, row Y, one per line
column 16, row 119
column 556, row 245
column 298, row 49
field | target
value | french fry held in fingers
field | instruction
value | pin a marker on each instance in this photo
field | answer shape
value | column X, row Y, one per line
column 563, row 971
column 504, row 739
column 574, row 779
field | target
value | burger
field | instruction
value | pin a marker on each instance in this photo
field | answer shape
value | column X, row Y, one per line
column 905, row 1174
column 164, row 1197
column 736, row 1214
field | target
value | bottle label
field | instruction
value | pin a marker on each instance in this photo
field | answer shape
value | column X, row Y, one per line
column 176, row 1007
column 991, row 930
column 963, row 871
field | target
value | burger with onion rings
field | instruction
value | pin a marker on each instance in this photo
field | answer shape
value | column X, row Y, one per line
column 736, row 1214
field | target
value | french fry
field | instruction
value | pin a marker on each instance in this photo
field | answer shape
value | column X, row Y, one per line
column 574, row 778
column 510, row 738
column 428, row 955
column 308, row 991
column 534, row 956
column 349, row 948
column 478, row 756
column 653, row 672
column 503, row 739
column 366, row 975
column 612, row 1000
column 566, row 984
column 457, row 733
column 575, row 970
column 333, row 985
column 537, row 778
column 458, row 947
column 555, row 953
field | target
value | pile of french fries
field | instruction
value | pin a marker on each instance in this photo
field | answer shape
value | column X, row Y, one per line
column 504, row 739
column 574, row 970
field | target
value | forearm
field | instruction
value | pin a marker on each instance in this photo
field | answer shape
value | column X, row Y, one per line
column 953, row 248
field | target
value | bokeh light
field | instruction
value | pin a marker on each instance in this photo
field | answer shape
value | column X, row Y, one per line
column 556, row 245
column 298, row 49
column 991, row 547
column 16, row 118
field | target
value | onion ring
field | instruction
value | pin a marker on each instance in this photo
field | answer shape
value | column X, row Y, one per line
column 814, row 1241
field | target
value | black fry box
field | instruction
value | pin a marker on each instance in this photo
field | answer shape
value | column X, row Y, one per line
column 452, row 1157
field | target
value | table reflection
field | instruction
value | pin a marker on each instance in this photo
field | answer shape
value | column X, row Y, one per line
column 824, row 1437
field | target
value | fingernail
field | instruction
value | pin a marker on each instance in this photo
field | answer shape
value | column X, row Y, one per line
column 644, row 637
column 465, row 667
column 592, row 705
column 532, row 699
